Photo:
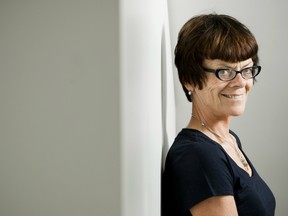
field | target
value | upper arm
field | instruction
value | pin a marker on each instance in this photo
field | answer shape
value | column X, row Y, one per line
column 216, row 206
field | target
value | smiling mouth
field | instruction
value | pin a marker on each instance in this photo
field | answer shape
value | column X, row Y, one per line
column 233, row 96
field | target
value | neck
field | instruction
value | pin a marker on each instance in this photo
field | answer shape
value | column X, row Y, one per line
column 217, row 126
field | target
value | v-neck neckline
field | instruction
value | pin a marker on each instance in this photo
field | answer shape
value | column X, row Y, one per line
column 230, row 158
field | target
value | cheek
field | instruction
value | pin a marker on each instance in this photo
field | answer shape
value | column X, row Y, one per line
column 212, row 89
column 217, row 87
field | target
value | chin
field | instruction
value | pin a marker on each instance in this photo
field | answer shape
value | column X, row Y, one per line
column 237, row 112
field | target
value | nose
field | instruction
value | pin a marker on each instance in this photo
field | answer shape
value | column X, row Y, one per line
column 238, row 81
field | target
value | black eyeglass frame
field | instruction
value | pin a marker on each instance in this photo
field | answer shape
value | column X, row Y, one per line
column 216, row 72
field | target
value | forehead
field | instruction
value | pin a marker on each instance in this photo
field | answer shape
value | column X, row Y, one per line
column 217, row 63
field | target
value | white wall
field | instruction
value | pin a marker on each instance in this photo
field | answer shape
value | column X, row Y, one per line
column 147, row 103
column 59, row 112
column 84, row 83
column 262, row 129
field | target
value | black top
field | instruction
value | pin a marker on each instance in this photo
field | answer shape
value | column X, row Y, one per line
column 197, row 168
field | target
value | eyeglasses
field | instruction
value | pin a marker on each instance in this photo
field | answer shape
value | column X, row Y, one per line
column 229, row 74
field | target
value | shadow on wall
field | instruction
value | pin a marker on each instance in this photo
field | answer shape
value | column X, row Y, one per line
column 165, row 145
column 168, row 100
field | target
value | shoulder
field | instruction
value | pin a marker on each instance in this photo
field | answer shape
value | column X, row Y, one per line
column 195, row 153
column 194, row 146
column 190, row 139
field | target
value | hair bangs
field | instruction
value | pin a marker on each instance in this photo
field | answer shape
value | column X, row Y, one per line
column 232, row 49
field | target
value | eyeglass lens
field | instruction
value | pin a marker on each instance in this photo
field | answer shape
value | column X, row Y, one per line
column 246, row 73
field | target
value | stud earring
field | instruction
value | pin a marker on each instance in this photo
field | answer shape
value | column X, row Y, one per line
column 189, row 93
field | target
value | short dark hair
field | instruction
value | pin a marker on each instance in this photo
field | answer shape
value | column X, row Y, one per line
column 211, row 36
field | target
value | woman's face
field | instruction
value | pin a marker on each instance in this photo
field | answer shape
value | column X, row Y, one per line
column 223, row 98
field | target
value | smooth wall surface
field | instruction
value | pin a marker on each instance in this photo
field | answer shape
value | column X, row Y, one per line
column 262, row 128
column 59, row 112
column 147, row 101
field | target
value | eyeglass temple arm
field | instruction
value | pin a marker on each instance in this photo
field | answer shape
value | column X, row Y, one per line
column 209, row 70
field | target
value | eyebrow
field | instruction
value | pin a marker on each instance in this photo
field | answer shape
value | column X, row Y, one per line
column 228, row 66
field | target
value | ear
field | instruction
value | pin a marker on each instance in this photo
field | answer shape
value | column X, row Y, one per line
column 189, row 87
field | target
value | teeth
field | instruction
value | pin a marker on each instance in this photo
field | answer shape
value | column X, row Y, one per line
column 234, row 96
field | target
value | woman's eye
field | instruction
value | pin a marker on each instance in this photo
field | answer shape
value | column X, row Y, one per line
column 226, row 73
column 247, row 71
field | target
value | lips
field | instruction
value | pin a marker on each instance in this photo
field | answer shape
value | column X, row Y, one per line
column 233, row 96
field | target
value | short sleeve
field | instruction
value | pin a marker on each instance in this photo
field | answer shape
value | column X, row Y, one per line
column 195, row 172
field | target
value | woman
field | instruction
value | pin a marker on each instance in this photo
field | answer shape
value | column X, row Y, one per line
column 206, row 171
